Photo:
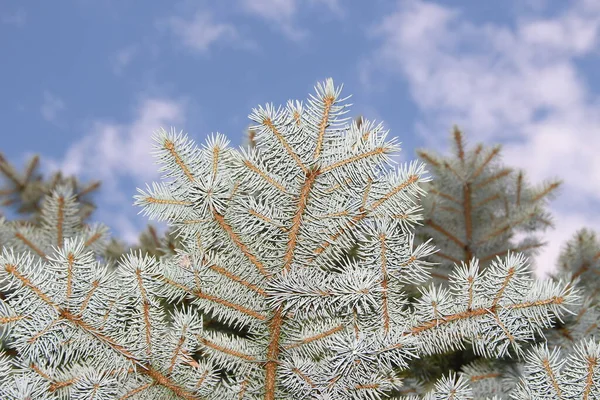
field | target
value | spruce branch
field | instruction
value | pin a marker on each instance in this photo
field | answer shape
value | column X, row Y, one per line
column 477, row 205
column 550, row 376
column 281, row 217
column 24, row 191
column 303, row 246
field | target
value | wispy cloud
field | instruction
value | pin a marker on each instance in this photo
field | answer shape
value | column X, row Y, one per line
column 123, row 58
column 17, row 18
column 272, row 9
column 111, row 152
column 202, row 31
column 515, row 84
column 334, row 6
column 282, row 13
column 279, row 12
column 52, row 105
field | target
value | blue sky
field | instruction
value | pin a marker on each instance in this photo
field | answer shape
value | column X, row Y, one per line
column 85, row 83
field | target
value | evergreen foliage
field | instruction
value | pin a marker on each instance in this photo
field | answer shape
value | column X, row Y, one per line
column 301, row 245
column 25, row 191
column 475, row 206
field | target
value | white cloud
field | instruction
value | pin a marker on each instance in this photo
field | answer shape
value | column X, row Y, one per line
column 517, row 84
column 123, row 58
column 111, row 152
column 51, row 106
column 282, row 13
column 535, row 5
column 17, row 18
column 279, row 12
column 272, row 9
column 202, row 31
column 333, row 5
column 127, row 230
